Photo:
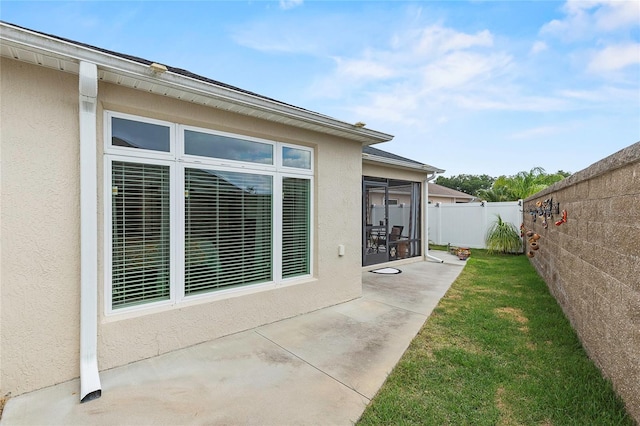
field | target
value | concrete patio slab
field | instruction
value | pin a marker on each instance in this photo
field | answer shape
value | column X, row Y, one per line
column 319, row 368
column 357, row 350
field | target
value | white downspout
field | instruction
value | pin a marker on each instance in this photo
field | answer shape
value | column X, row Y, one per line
column 425, row 240
column 89, row 377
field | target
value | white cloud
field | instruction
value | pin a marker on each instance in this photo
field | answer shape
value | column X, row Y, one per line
column 283, row 37
column 363, row 68
column 438, row 39
column 290, row 4
column 617, row 14
column 455, row 73
column 600, row 41
column 510, row 99
column 458, row 69
column 538, row 46
column 414, row 72
column 585, row 19
column 428, row 76
column 536, row 132
column 615, row 57
column 581, row 95
column 609, row 95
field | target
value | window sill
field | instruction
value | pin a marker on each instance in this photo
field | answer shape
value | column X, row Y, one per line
column 201, row 299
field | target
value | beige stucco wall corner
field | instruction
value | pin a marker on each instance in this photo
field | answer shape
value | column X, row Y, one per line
column 40, row 227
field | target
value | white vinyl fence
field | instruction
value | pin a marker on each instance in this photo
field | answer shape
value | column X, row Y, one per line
column 398, row 216
column 466, row 224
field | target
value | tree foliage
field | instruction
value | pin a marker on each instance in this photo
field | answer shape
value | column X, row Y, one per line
column 469, row 184
column 524, row 184
column 504, row 188
column 494, row 194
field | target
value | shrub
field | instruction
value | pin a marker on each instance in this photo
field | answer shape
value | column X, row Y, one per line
column 503, row 237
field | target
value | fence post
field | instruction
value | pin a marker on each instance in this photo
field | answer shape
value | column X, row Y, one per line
column 486, row 221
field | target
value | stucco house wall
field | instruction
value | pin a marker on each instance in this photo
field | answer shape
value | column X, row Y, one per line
column 39, row 256
column 40, row 230
column 435, row 199
column 439, row 199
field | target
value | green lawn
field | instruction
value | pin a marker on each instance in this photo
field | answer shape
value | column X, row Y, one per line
column 496, row 351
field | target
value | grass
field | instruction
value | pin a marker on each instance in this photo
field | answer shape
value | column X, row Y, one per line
column 496, row 351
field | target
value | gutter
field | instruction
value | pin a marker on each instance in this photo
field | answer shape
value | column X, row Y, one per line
column 90, row 387
column 180, row 86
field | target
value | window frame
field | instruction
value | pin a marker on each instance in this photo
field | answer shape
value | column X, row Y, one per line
column 281, row 229
column 108, row 233
column 197, row 159
column 297, row 170
column 138, row 152
column 180, row 282
column 178, row 162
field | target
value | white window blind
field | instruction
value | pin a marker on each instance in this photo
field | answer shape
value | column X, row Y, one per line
column 228, row 231
column 140, row 233
column 295, row 227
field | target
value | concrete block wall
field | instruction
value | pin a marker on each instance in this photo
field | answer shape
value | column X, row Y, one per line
column 592, row 263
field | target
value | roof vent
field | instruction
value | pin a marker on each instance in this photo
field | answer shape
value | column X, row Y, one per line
column 157, row 68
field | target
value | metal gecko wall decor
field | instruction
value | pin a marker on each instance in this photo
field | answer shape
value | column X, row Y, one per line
column 546, row 210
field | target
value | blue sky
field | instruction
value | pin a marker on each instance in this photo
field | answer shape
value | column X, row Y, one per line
column 476, row 87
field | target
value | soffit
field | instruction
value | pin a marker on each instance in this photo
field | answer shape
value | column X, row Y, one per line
column 402, row 165
column 38, row 49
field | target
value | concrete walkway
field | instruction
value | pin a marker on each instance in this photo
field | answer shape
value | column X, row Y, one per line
column 319, row 368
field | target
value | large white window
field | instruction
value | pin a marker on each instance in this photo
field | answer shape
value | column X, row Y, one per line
column 194, row 213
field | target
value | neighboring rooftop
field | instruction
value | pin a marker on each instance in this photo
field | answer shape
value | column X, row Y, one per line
column 442, row 191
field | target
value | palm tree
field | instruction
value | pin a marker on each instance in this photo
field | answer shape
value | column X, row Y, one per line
column 525, row 184
column 494, row 194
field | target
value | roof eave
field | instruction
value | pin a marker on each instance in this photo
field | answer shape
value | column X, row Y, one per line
column 426, row 168
column 39, row 49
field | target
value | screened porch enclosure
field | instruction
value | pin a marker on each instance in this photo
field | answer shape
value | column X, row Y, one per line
column 390, row 220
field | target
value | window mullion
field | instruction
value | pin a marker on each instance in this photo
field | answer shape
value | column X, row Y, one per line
column 178, row 233
column 276, row 217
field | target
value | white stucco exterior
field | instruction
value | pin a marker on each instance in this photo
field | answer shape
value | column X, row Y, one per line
column 40, row 229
